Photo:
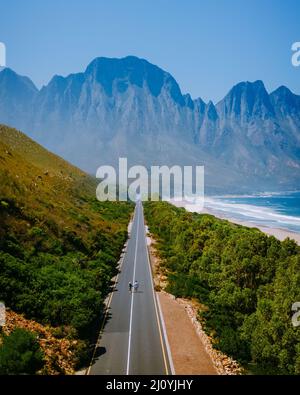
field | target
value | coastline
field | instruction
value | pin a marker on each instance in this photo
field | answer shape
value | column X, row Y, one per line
column 279, row 233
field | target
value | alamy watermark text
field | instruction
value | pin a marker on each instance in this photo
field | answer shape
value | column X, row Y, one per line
column 296, row 54
column 154, row 183
column 2, row 55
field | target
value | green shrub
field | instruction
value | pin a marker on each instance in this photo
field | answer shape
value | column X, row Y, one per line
column 247, row 280
column 20, row 353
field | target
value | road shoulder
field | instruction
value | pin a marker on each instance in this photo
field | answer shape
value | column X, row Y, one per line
column 191, row 348
column 188, row 352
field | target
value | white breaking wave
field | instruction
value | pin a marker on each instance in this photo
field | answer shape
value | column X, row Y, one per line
column 251, row 213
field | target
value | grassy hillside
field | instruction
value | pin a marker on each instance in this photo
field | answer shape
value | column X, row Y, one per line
column 247, row 281
column 58, row 245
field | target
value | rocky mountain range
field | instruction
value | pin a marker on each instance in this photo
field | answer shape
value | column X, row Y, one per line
column 249, row 141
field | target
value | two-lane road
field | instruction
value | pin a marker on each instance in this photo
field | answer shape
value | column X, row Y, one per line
column 132, row 340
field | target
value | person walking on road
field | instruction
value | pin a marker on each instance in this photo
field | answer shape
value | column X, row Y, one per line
column 130, row 286
column 136, row 286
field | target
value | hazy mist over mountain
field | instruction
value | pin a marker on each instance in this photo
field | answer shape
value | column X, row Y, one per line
column 249, row 141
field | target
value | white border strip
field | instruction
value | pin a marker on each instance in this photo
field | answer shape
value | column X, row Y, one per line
column 156, row 301
column 165, row 336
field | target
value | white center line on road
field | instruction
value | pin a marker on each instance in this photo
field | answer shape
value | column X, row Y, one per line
column 132, row 295
column 157, row 312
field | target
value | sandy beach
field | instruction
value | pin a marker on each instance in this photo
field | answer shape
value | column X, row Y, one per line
column 279, row 233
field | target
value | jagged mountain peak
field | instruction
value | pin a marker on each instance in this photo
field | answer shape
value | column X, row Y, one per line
column 247, row 90
column 132, row 70
column 282, row 91
column 60, row 83
column 211, row 111
column 247, row 99
column 8, row 76
column 189, row 101
column 285, row 101
column 130, row 107
column 7, row 72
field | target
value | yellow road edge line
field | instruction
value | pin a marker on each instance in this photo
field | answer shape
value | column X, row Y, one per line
column 161, row 337
column 166, row 337
column 155, row 304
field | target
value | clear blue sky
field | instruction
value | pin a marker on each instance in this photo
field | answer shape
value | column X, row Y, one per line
column 207, row 45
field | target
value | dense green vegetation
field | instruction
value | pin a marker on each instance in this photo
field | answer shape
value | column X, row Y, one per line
column 20, row 353
column 61, row 280
column 247, row 280
column 59, row 246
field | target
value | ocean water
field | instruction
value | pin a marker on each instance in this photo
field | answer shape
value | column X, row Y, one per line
column 267, row 209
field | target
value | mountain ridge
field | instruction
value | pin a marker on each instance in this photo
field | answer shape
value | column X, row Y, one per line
column 130, row 107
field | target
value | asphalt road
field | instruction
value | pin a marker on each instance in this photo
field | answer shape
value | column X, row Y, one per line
column 132, row 340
